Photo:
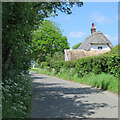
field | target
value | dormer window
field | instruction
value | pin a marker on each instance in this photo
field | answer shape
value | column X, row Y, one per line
column 99, row 48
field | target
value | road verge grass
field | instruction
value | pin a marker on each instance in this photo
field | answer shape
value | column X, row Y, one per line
column 103, row 81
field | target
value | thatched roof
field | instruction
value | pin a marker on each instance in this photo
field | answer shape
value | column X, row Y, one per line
column 95, row 38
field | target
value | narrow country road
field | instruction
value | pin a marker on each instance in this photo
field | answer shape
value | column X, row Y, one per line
column 57, row 98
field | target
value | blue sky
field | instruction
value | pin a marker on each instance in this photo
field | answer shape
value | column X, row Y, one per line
column 76, row 27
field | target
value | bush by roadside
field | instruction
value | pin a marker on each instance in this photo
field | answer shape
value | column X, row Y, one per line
column 17, row 96
column 83, row 66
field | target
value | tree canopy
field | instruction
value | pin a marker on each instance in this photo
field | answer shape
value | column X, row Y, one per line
column 48, row 39
column 19, row 19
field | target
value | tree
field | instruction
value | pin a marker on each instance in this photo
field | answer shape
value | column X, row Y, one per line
column 76, row 46
column 48, row 39
column 19, row 19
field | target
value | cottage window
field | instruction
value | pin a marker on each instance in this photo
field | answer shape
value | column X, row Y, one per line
column 100, row 48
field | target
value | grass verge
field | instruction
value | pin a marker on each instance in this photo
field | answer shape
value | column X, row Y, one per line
column 103, row 81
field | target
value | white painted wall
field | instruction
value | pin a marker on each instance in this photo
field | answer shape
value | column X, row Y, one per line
column 66, row 57
column 104, row 47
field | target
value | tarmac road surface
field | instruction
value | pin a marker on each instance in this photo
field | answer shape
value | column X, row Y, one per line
column 57, row 98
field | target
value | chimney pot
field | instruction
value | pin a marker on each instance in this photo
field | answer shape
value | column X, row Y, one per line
column 92, row 25
column 93, row 29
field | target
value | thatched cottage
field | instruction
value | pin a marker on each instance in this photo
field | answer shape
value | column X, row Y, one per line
column 95, row 44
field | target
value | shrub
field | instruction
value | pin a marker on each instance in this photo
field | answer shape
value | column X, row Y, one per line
column 44, row 64
column 17, row 96
column 98, row 64
column 57, row 65
column 114, row 65
column 69, row 64
column 83, row 66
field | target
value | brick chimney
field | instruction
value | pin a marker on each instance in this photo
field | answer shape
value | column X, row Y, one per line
column 93, row 29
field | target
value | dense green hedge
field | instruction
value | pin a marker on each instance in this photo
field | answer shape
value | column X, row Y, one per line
column 99, row 64
column 59, row 64
column 83, row 66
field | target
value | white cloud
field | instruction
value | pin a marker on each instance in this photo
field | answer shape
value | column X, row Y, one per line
column 99, row 18
column 76, row 34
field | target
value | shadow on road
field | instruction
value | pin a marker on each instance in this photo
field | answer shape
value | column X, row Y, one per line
column 39, row 77
column 59, row 102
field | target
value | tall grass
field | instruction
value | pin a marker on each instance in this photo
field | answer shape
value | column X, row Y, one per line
column 103, row 81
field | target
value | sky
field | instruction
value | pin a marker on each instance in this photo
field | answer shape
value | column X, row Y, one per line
column 76, row 27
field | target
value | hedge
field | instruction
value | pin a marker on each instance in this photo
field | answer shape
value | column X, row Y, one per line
column 99, row 64
column 83, row 66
